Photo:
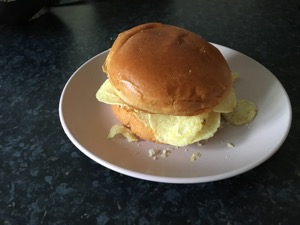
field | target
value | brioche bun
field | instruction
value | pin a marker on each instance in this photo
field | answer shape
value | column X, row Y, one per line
column 167, row 70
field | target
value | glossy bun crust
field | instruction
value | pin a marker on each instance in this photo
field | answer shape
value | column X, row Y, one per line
column 168, row 70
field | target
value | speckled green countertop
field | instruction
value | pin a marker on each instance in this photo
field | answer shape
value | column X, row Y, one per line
column 45, row 179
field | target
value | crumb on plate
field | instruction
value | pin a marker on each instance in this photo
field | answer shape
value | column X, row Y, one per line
column 194, row 156
column 230, row 145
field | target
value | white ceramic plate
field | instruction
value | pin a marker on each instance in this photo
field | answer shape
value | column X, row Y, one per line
column 87, row 123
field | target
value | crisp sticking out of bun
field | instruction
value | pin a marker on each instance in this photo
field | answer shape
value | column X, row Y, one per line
column 167, row 70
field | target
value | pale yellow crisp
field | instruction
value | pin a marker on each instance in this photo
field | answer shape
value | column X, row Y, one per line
column 181, row 130
column 119, row 129
column 106, row 94
column 235, row 76
column 244, row 112
column 227, row 104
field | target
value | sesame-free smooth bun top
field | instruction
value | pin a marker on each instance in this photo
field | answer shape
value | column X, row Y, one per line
column 165, row 69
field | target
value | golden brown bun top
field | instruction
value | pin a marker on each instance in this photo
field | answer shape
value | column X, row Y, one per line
column 165, row 69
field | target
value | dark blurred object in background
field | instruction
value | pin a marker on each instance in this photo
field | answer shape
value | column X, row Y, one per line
column 21, row 11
